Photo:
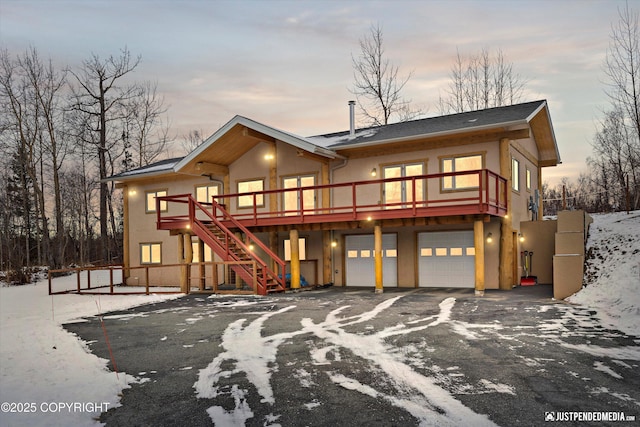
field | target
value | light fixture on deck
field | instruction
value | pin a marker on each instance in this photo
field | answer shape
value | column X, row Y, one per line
column 489, row 238
column 374, row 172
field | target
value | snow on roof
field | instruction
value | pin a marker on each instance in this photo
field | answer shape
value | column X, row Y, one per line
column 153, row 168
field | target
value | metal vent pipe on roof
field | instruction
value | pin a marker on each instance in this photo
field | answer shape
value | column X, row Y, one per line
column 352, row 118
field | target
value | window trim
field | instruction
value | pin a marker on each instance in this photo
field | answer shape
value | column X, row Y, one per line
column 454, row 188
column 155, row 192
column 515, row 183
column 209, row 185
column 150, row 245
column 250, row 206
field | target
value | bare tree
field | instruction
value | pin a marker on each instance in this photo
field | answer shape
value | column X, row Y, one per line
column 617, row 144
column 377, row 83
column 191, row 140
column 481, row 81
column 146, row 133
column 99, row 97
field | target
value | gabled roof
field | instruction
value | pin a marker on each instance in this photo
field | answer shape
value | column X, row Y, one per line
column 222, row 148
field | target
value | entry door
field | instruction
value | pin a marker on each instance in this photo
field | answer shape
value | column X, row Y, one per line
column 360, row 264
column 446, row 259
column 291, row 199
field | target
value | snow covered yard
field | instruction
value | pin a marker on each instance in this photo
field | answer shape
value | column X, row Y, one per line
column 42, row 366
column 240, row 359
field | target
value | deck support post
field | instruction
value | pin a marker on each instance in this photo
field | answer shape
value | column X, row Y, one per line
column 478, row 243
column 185, row 257
column 295, row 259
column 377, row 257
column 202, row 267
column 326, row 257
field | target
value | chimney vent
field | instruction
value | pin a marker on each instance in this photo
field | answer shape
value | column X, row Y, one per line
column 352, row 119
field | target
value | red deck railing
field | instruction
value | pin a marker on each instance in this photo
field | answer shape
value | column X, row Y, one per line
column 364, row 200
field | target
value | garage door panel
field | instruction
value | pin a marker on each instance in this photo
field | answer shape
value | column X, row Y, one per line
column 360, row 263
column 446, row 259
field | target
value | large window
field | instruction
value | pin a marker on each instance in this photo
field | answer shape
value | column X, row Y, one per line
column 515, row 174
column 397, row 193
column 204, row 193
column 150, row 253
column 302, row 249
column 461, row 164
column 150, row 201
column 250, row 186
column 291, row 199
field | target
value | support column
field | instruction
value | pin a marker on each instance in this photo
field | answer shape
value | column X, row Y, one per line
column 326, row 257
column 273, row 245
column 540, row 200
column 377, row 257
column 506, row 229
column 295, row 259
column 184, row 272
column 478, row 243
column 202, row 267
column 126, row 263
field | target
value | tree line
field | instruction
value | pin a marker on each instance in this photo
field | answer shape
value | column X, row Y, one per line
column 62, row 132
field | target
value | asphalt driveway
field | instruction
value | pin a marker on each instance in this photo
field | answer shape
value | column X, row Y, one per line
column 350, row 357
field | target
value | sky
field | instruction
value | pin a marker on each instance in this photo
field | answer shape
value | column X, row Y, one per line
column 288, row 64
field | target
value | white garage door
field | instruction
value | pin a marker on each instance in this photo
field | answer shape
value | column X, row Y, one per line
column 446, row 259
column 360, row 265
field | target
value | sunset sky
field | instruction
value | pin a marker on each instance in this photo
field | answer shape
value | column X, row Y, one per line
column 288, row 63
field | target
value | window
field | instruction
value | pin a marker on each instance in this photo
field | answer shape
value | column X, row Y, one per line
column 150, row 253
column 515, row 174
column 291, row 199
column 461, row 164
column 398, row 192
column 250, row 186
column 150, row 197
column 528, row 179
column 302, row 249
column 204, row 193
column 208, row 253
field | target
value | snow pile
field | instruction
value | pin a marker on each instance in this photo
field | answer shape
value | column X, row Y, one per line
column 612, row 277
column 47, row 375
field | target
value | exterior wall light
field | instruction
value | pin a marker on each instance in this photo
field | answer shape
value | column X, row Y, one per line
column 521, row 237
column 489, row 238
column 132, row 192
column 268, row 156
column 334, row 243
column 374, row 172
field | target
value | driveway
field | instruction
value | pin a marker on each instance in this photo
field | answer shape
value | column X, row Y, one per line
column 350, row 357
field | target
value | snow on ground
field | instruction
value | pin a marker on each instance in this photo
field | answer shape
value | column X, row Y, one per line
column 612, row 276
column 45, row 369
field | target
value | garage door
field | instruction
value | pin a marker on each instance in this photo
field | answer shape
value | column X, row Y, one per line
column 360, row 265
column 446, row 259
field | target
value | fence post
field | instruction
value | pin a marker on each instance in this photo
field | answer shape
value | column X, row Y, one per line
column 78, row 279
column 111, row 280
column 146, row 279
column 49, row 277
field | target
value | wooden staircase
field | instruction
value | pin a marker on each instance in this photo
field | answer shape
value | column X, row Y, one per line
column 208, row 225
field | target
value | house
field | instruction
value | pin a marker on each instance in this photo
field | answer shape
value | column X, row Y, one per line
column 435, row 202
